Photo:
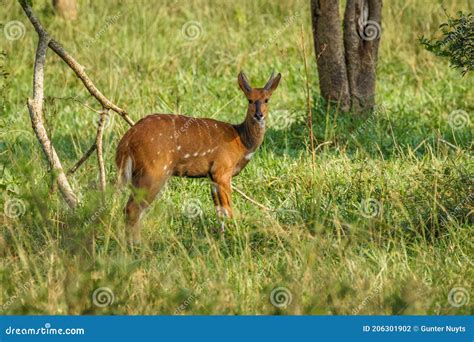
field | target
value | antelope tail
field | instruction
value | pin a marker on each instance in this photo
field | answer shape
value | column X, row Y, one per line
column 125, row 170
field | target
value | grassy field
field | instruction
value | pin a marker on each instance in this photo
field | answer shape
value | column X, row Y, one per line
column 381, row 224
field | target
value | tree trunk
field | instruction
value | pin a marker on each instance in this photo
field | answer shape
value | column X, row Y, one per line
column 347, row 60
column 66, row 8
column 327, row 34
column 361, row 42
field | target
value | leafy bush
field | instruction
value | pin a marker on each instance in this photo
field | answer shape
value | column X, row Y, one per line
column 457, row 42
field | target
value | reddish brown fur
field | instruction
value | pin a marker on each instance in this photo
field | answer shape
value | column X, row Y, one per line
column 164, row 145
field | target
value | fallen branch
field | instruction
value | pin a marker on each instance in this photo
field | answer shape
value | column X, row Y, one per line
column 98, row 143
column 74, row 65
column 35, row 107
column 79, row 70
column 83, row 159
column 241, row 193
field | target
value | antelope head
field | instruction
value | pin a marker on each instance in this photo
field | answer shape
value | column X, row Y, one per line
column 258, row 98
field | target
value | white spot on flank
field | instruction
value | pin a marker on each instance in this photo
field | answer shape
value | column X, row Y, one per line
column 203, row 154
column 158, row 153
column 152, row 139
column 209, row 150
column 161, row 134
column 178, row 148
column 195, row 154
column 171, row 137
column 186, row 155
column 249, row 156
column 165, row 167
column 215, row 125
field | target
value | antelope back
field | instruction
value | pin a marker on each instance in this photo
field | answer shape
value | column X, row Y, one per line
column 178, row 145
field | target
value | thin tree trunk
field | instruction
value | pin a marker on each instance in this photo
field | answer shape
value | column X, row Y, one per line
column 327, row 34
column 362, row 30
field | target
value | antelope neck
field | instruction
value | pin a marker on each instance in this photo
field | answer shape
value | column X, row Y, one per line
column 251, row 133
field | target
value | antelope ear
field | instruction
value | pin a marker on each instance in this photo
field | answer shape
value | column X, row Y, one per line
column 244, row 84
column 272, row 83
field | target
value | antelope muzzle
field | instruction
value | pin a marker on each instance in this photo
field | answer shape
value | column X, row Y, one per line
column 258, row 111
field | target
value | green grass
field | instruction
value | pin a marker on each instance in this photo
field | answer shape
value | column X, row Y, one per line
column 403, row 257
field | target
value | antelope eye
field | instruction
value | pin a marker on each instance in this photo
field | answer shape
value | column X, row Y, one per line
column 250, row 101
column 266, row 100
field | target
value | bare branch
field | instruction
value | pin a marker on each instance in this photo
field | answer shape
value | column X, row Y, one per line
column 74, row 65
column 35, row 107
column 83, row 159
column 79, row 70
column 98, row 143
column 248, row 198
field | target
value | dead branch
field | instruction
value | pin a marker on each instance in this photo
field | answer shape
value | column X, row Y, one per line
column 74, row 65
column 79, row 70
column 83, row 159
column 98, row 143
column 248, row 198
column 35, row 107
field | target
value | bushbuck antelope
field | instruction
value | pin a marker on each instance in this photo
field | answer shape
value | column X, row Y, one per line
column 163, row 145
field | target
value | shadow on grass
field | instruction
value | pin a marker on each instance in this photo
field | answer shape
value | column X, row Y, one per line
column 384, row 132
